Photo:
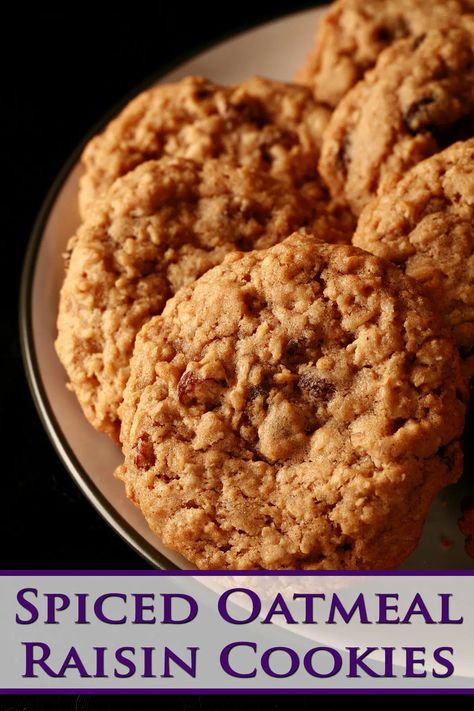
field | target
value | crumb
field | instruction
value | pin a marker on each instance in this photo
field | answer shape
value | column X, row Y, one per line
column 466, row 524
column 446, row 543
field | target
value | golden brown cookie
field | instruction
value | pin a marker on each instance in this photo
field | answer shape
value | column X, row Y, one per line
column 354, row 32
column 158, row 228
column 263, row 124
column 418, row 100
column 425, row 224
column 296, row 407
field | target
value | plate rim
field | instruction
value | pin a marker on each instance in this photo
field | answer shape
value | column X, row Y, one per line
column 67, row 457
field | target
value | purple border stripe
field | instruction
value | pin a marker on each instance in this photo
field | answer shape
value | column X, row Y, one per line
column 210, row 573
column 268, row 691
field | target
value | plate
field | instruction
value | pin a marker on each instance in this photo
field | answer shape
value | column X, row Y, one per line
column 275, row 50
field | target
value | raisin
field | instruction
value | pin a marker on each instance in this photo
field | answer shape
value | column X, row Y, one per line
column 256, row 391
column 186, row 387
column 415, row 116
column 293, row 348
column 254, row 112
column 202, row 93
column 299, row 351
column 196, row 390
column 288, row 139
column 266, row 155
column 447, row 456
column 317, row 388
column 145, row 267
column 436, row 204
column 145, row 453
column 466, row 524
column 383, row 35
column 417, row 41
column 343, row 157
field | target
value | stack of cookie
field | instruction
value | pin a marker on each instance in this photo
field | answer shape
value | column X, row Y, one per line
column 284, row 398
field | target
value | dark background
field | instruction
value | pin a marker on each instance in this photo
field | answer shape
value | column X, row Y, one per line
column 62, row 70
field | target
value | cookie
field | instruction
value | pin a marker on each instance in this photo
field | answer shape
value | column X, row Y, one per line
column 425, row 224
column 263, row 124
column 354, row 32
column 296, row 407
column 418, row 100
column 158, row 228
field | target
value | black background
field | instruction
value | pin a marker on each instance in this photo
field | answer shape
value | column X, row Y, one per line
column 62, row 70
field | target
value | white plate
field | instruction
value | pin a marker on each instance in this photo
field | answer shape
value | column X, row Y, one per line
column 274, row 50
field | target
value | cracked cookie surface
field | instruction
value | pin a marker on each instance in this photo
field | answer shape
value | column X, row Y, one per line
column 260, row 123
column 160, row 227
column 418, row 100
column 297, row 407
column 425, row 225
column 354, row 32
